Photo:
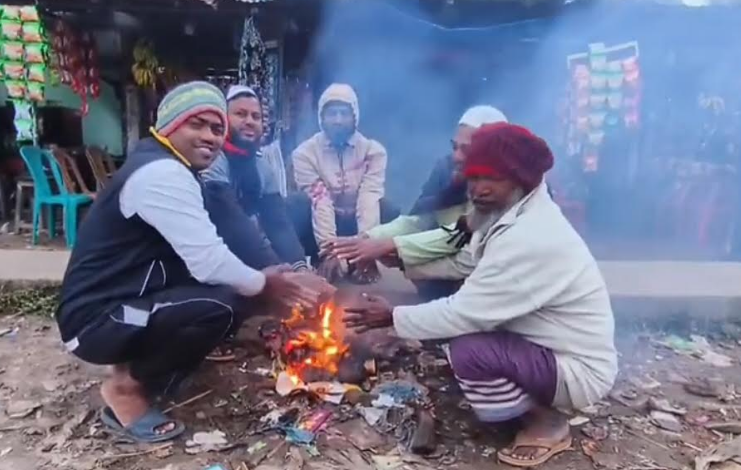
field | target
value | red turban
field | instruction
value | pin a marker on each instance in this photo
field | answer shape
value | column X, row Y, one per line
column 508, row 151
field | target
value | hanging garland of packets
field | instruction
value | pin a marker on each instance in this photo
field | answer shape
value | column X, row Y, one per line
column 605, row 94
column 23, row 69
column 256, row 69
column 74, row 62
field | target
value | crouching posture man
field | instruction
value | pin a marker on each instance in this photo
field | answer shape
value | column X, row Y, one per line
column 150, row 288
column 531, row 329
column 343, row 176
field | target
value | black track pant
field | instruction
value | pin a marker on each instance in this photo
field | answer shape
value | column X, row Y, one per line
column 165, row 336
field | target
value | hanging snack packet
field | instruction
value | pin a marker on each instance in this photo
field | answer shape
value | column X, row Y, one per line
column 29, row 14
column 14, row 70
column 37, row 73
column 16, row 89
column 25, row 130
column 11, row 30
column 11, row 12
column 23, row 110
column 35, row 92
column 12, row 50
column 35, row 53
column 32, row 32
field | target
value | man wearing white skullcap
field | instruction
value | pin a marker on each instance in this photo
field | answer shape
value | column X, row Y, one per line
column 426, row 234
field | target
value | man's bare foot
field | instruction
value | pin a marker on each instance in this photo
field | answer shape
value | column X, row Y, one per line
column 125, row 396
column 545, row 427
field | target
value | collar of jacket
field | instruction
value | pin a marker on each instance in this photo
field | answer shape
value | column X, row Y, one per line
column 536, row 196
column 351, row 142
column 165, row 142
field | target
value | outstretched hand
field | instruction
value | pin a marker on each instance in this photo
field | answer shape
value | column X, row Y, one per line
column 361, row 250
column 372, row 312
column 284, row 288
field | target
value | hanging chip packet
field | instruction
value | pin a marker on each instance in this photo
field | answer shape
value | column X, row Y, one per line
column 25, row 124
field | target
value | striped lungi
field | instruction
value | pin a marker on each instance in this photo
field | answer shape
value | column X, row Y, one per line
column 502, row 375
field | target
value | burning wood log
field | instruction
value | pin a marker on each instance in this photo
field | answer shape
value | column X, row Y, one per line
column 311, row 347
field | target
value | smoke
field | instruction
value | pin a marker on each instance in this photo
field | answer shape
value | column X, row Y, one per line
column 414, row 80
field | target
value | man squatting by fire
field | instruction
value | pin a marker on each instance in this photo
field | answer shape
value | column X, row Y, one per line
column 429, row 231
column 531, row 327
column 242, row 197
column 342, row 174
column 151, row 288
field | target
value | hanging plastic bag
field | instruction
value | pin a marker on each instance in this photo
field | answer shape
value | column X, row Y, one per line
column 10, row 12
column 11, row 30
column 35, row 92
column 37, row 73
column 29, row 14
column 16, row 89
column 14, row 70
column 32, row 33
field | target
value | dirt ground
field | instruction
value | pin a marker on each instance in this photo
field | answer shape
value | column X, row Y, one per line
column 49, row 401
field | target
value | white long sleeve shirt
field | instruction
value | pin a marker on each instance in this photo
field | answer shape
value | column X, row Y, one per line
column 165, row 195
column 529, row 273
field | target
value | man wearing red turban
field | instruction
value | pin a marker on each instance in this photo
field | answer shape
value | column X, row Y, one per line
column 531, row 329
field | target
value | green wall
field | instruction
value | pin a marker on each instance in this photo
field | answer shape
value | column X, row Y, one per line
column 103, row 124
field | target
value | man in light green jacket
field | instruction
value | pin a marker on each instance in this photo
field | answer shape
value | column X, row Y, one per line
column 428, row 232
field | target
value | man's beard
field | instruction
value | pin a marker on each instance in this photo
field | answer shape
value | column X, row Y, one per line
column 245, row 144
column 479, row 220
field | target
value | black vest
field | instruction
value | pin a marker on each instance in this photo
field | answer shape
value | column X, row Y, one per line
column 116, row 258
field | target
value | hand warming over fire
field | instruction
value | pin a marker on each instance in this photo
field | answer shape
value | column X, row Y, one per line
column 371, row 313
column 362, row 250
column 288, row 289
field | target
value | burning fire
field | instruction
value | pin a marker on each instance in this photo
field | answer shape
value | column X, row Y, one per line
column 320, row 348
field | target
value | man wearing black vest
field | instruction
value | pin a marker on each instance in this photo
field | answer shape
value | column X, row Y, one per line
column 150, row 288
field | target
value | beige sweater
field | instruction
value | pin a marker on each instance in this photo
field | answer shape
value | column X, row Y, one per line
column 352, row 179
column 529, row 273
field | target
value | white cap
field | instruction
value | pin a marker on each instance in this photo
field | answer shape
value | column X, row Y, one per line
column 239, row 90
column 480, row 115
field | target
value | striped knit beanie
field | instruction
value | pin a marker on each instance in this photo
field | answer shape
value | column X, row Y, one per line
column 188, row 100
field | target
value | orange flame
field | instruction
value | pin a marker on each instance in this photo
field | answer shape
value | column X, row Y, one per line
column 325, row 347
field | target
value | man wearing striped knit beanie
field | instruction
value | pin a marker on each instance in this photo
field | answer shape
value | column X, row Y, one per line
column 150, row 288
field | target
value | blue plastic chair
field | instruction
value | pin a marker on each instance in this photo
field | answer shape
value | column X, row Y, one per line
column 45, row 196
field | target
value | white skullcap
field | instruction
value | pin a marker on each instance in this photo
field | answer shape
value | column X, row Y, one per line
column 236, row 91
column 479, row 115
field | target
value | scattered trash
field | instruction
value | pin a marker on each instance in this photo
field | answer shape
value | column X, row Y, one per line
column 719, row 453
column 5, row 451
column 9, row 332
column 705, row 388
column 678, row 344
column 662, row 404
column 594, row 432
column 263, row 372
column 578, row 421
column 666, row 421
column 645, row 383
column 401, row 391
column 590, row 448
column 21, row 408
column 168, row 467
column 206, row 442
column 372, row 415
column 216, row 467
column 423, row 440
column 716, row 359
column 730, row 427
column 256, row 447
column 361, row 435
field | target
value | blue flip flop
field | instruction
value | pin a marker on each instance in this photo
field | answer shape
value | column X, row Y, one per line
column 145, row 428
